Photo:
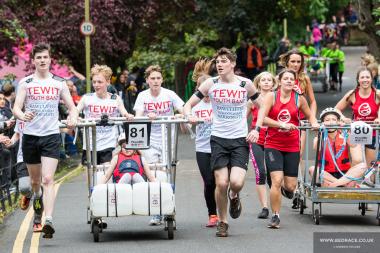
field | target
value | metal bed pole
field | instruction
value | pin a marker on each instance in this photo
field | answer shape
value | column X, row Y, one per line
column 88, row 158
column 94, row 158
column 169, row 150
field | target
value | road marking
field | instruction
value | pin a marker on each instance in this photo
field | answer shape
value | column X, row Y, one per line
column 35, row 241
column 20, row 238
column 18, row 244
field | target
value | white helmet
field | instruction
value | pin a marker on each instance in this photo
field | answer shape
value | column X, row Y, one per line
column 121, row 138
column 329, row 110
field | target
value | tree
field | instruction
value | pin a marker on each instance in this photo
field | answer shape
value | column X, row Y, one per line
column 368, row 13
column 11, row 32
column 117, row 24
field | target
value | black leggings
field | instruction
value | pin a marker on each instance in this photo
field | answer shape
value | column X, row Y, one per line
column 204, row 164
column 257, row 157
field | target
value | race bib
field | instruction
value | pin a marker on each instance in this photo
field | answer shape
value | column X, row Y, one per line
column 361, row 133
column 137, row 135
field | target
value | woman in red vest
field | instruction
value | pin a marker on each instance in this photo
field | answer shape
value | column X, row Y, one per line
column 295, row 61
column 265, row 82
column 280, row 112
column 127, row 166
column 341, row 150
column 364, row 101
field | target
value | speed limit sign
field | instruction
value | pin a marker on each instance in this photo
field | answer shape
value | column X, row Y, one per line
column 87, row 28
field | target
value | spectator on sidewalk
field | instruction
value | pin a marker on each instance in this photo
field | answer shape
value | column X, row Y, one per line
column 317, row 37
column 6, row 121
column 9, row 92
column 254, row 60
column 283, row 47
column 241, row 60
column 79, row 80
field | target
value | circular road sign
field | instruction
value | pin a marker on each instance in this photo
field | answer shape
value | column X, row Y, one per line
column 87, row 28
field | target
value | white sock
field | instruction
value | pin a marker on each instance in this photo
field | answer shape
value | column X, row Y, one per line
column 38, row 194
column 49, row 218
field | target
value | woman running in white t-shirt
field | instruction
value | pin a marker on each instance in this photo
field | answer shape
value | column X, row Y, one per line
column 203, row 111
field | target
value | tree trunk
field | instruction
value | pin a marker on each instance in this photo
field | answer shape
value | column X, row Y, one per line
column 180, row 78
column 367, row 23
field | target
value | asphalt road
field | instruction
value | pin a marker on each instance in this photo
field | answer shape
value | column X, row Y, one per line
column 247, row 234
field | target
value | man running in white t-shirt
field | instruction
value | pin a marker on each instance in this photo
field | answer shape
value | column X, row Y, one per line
column 41, row 93
column 153, row 102
column 99, row 103
column 229, row 94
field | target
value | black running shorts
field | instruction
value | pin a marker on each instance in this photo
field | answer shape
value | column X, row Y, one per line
column 288, row 162
column 102, row 156
column 229, row 153
column 33, row 147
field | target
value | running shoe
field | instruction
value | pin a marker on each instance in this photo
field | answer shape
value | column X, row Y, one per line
column 274, row 222
column 222, row 229
column 48, row 229
column 212, row 221
column 235, row 206
column 295, row 204
column 286, row 193
column 156, row 220
column 24, row 202
column 263, row 214
column 37, row 227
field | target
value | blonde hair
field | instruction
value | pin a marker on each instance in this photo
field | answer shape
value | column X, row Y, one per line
column 151, row 69
column 373, row 67
column 202, row 67
column 367, row 59
column 256, row 81
column 201, row 71
column 102, row 69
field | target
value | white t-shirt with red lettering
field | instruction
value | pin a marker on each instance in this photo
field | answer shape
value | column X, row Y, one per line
column 42, row 98
column 229, row 106
column 20, row 129
column 95, row 107
column 163, row 105
column 203, row 110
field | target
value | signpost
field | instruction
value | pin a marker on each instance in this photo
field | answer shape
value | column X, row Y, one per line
column 87, row 29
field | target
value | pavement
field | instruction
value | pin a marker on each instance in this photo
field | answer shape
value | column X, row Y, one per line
column 133, row 234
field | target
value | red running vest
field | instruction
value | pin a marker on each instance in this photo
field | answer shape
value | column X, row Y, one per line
column 365, row 109
column 283, row 140
column 127, row 164
column 263, row 130
column 343, row 161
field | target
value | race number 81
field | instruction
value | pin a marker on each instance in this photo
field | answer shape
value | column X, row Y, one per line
column 137, row 135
